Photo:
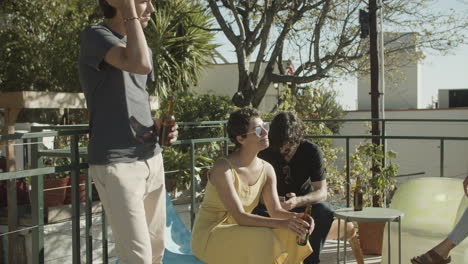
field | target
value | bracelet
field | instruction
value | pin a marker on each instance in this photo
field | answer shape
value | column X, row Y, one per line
column 130, row 19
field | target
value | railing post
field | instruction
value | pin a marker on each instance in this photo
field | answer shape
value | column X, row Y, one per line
column 348, row 177
column 384, row 144
column 192, row 170
column 441, row 157
column 37, row 207
column 75, row 175
column 105, row 255
column 89, row 220
column 226, row 142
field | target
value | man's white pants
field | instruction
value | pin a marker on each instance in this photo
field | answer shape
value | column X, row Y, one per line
column 134, row 199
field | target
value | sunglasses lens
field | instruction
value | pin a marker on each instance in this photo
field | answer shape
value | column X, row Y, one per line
column 258, row 131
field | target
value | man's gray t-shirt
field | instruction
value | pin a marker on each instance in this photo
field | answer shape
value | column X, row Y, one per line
column 120, row 122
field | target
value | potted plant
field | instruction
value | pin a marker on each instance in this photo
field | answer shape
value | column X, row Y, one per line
column 177, row 165
column 377, row 180
column 55, row 184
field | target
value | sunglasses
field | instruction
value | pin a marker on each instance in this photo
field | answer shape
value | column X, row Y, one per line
column 259, row 129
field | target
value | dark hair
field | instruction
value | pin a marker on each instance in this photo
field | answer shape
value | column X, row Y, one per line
column 285, row 128
column 238, row 123
column 108, row 10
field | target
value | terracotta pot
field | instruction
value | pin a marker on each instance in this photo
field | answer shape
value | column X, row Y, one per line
column 22, row 193
column 371, row 237
column 55, row 197
column 82, row 188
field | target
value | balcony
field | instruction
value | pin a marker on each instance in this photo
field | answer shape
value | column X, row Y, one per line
column 78, row 232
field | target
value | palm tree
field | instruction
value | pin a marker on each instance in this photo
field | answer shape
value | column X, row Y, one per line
column 180, row 38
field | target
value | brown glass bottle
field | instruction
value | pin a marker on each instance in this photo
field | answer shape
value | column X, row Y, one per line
column 302, row 241
column 167, row 122
column 358, row 195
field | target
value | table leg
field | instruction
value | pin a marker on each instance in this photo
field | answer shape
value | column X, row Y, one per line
column 399, row 239
column 389, row 243
column 338, row 243
column 345, row 239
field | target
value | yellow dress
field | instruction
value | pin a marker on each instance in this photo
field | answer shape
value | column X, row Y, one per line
column 218, row 239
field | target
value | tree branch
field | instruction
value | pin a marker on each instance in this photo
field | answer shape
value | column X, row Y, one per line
column 222, row 23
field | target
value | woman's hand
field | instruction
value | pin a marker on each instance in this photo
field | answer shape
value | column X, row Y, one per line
column 298, row 225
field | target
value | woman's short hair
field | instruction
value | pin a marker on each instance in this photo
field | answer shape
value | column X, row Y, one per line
column 238, row 123
column 108, row 10
column 285, row 128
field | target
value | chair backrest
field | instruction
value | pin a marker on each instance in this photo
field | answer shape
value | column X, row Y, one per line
column 177, row 237
column 429, row 203
column 461, row 209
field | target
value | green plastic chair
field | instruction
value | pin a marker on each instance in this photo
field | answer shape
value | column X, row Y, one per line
column 432, row 207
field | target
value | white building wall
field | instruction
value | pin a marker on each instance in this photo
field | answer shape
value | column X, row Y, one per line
column 443, row 98
column 402, row 88
column 417, row 156
column 403, row 85
column 223, row 79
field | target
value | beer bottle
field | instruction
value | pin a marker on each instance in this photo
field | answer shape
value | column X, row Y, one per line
column 167, row 122
column 302, row 241
column 358, row 195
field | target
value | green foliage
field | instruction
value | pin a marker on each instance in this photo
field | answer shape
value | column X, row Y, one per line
column 40, row 43
column 178, row 163
column 364, row 161
column 314, row 102
column 190, row 107
column 181, row 43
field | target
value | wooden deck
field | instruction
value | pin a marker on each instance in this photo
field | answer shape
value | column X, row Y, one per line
column 328, row 255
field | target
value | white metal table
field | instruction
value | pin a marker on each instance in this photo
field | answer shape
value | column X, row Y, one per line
column 369, row 214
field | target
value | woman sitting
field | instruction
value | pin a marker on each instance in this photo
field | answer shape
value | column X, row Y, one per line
column 225, row 231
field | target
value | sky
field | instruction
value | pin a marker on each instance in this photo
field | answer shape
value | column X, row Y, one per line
column 449, row 71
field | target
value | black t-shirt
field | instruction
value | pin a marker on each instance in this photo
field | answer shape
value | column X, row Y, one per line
column 306, row 166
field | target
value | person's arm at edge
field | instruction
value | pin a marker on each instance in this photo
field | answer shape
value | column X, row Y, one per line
column 465, row 185
column 135, row 56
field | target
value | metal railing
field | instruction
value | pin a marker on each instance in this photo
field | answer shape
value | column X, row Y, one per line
column 384, row 137
column 36, row 173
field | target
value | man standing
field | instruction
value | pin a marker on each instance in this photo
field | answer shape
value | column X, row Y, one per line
column 301, row 176
column 125, row 161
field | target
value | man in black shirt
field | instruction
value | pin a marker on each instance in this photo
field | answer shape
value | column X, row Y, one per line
column 301, row 176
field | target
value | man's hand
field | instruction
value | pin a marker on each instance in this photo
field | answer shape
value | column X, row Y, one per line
column 172, row 135
column 291, row 203
column 120, row 3
column 465, row 185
